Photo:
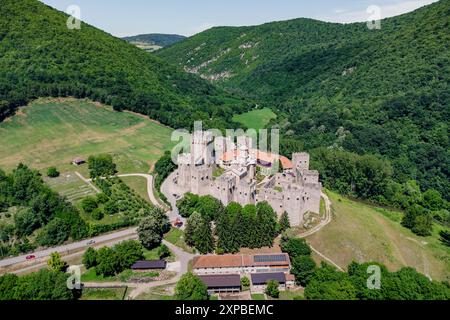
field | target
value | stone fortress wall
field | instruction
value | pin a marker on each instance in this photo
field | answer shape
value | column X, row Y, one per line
column 296, row 189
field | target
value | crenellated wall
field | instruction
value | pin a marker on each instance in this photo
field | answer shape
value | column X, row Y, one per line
column 295, row 191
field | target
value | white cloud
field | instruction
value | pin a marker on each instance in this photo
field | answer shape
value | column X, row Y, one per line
column 386, row 11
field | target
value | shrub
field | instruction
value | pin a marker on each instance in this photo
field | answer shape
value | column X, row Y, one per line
column 54, row 233
column 191, row 287
column 97, row 214
column 102, row 198
column 245, row 282
column 56, row 264
column 89, row 204
column 303, row 268
column 90, row 258
column 163, row 251
column 111, row 208
column 295, row 247
column 52, row 172
column 272, row 289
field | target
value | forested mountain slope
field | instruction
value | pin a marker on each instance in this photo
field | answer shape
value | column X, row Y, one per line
column 383, row 92
column 40, row 56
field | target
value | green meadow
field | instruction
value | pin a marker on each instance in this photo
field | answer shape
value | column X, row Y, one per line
column 53, row 132
column 256, row 119
column 365, row 233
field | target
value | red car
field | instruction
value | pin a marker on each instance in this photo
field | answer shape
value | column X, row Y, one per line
column 31, row 257
column 178, row 223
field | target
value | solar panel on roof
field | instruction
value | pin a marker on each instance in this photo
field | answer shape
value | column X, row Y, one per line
column 270, row 258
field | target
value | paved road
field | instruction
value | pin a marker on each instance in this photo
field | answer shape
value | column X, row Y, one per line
column 70, row 247
column 170, row 189
column 65, row 249
column 38, row 264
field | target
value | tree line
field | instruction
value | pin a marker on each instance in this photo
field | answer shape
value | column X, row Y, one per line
column 163, row 168
column 42, row 285
column 372, row 178
column 31, row 210
column 235, row 227
column 112, row 261
column 324, row 282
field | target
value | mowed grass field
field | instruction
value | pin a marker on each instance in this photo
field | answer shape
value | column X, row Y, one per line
column 364, row 233
column 52, row 133
column 256, row 119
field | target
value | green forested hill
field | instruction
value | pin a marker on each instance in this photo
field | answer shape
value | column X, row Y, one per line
column 383, row 92
column 40, row 56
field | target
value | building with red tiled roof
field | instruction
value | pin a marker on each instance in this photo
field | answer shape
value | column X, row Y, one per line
column 249, row 176
column 241, row 263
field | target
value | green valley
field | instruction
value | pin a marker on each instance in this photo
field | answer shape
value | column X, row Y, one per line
column 41, row 57
column 154, row 41
column 382, row 92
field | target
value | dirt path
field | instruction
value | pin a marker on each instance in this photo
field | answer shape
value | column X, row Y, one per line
column 148, row 177
column 87, row 181
column 326, row 221
column 326, row 258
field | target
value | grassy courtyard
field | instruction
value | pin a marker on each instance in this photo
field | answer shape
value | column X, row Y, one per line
column 256, row 119
column 365, row 233
column 53, row 132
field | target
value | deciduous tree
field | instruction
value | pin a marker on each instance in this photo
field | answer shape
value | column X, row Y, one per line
column 150, row 233
column 191, row 287
column 55, row 263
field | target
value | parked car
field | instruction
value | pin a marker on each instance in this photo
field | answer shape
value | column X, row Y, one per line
column 31, row 257
column 91, row 242
column 178, row 223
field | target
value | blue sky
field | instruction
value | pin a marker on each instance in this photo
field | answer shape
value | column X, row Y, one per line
column 187, row 17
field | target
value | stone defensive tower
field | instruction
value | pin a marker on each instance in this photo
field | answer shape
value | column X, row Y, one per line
column 296, row 190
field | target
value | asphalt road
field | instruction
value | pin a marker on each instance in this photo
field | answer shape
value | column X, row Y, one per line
column 170, row 189
column 69, row 247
